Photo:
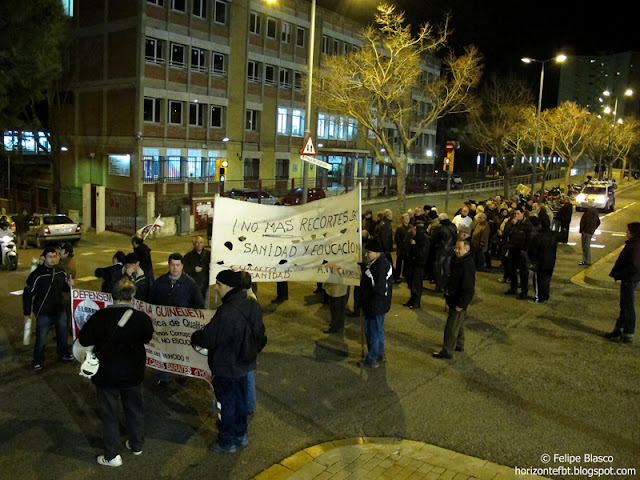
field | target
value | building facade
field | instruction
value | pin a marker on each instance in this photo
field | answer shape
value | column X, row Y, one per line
column 164, row 91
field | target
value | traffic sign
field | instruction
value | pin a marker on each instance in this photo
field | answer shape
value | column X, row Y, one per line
column 315, row 161
column 308, row 148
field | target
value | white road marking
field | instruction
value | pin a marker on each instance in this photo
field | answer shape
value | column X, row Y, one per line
column 87, row 279
column 17, row 292
column 88, row 253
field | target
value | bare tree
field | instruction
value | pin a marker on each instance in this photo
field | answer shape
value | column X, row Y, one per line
column 376, row 83
column 497, row 127
column 624, row 137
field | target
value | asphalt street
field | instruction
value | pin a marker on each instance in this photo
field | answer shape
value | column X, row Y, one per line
column 534, row 379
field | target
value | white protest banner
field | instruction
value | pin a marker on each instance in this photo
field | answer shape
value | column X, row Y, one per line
column 315, row 242
column 170, row 348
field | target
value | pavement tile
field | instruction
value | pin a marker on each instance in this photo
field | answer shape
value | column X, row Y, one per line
column 447, row 475
column 319, row 449
column 274, row 472
column 296, row 461
column 341, row 475
column 466, row 464
column 377, row 472
column 311, row 470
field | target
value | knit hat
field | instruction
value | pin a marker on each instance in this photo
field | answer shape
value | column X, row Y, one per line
column 229, row 278
column 374, row 245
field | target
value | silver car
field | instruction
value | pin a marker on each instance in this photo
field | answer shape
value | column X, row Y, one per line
column 45, row 228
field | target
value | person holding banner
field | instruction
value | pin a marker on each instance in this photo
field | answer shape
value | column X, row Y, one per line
column 119, row 344
column 376, row 288
column 234, row 336
column 144, row 256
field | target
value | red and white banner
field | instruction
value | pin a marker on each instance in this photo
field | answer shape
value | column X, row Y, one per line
column 170, row 348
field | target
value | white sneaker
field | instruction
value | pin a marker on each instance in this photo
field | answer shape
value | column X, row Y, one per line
column 114, row 462
column 128, row 445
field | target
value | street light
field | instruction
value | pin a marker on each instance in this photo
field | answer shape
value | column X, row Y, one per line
column 558, row 59
column 627, row 93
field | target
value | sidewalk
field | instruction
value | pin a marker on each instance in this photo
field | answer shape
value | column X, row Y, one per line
column 384, row 458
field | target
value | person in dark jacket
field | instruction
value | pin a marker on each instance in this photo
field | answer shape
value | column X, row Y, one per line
column 458, row 295
column 196, row 265
column 627, row 270
column 43, row 296
column 144, row 255
column 132, row 271
column 111, row 273
column 119, row 345
column 542, row 255
column 385, row 233
column 175, row 288
column 519, row 233
column 589, row 223
column 403, row 243
column 418, row 254
column 22, row 228
column 564, row 219
column 228, row 359
column 376, row 289
column 443, row 239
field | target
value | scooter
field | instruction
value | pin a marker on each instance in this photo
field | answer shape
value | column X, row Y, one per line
column 8, row 250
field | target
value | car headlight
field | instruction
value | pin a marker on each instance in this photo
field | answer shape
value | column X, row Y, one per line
column 601, row 199
column 581, row 198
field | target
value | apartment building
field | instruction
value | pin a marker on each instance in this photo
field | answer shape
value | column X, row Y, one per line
column 164, row 91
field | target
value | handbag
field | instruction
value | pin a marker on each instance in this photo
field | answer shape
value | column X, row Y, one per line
column 91, row 363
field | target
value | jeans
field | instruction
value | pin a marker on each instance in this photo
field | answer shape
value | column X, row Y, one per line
column 251, row 391
column 454, row 330
column 43, row 323
column 626, row 322
column 133, row 405
column 231, row 398
column 586, row 248
column 542, row 285
column 374, row 332
column 519, row 271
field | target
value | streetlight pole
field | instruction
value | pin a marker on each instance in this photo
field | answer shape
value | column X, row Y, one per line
column 559, row 59
column 307, row 129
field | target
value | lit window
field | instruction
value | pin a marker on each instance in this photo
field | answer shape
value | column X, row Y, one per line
column 322, row 126
column 283, row 121
column 297, row 122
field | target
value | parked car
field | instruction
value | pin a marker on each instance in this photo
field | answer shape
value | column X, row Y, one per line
column 249, row 195
column 46, row 228
column 9, row 220
column 295, row 197
column 602, row 194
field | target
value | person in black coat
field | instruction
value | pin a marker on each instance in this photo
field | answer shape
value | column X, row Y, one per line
column 119, row 345
column 542, row 255
column 564, row 219
column 229, row 358
column 627, row 270
column 176, row 288
column 443, row 239
column 196, row 265
column 111, row 274
column 144, row 255
column 418, row 254
column 458, row 295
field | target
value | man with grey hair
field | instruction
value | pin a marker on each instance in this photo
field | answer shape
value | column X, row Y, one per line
column 443, row 240
column 589, row 223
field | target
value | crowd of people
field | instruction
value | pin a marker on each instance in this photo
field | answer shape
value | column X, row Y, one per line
column 517, row 237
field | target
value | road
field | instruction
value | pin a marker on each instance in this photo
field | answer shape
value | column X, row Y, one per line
column 534, row 379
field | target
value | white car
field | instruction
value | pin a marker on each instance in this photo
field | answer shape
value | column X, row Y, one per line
column 45, row 228
column 602, row 194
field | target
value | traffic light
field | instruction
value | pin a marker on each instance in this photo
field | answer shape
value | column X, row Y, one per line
column 448, row 162
column 221, row 170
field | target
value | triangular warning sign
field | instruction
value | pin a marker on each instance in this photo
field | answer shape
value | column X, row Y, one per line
column 308, row 148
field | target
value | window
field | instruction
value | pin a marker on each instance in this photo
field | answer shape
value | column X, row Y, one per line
column 153, row 51
column 325, row 44
column 198, row 59
column 285, row 78
column 297, row 80
column 218, row 64
column 179, row 5
column 251, row 168
column 321, row 126
column 337, row 47
column 253, row 71
column 175, row 112
column 252, row 118
column 152, row 109
column 270, row 74
column 220, row 12
column 177, row 55
column 283, row 121
column 254, row 23
column 297, row 122
column 159, row 3
column 271, row 27
column 216, row 116
column 352, row 129
column 200, row 8
column 300, row 37
column 285, row 32
column 282, row 168
column 195, row 114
